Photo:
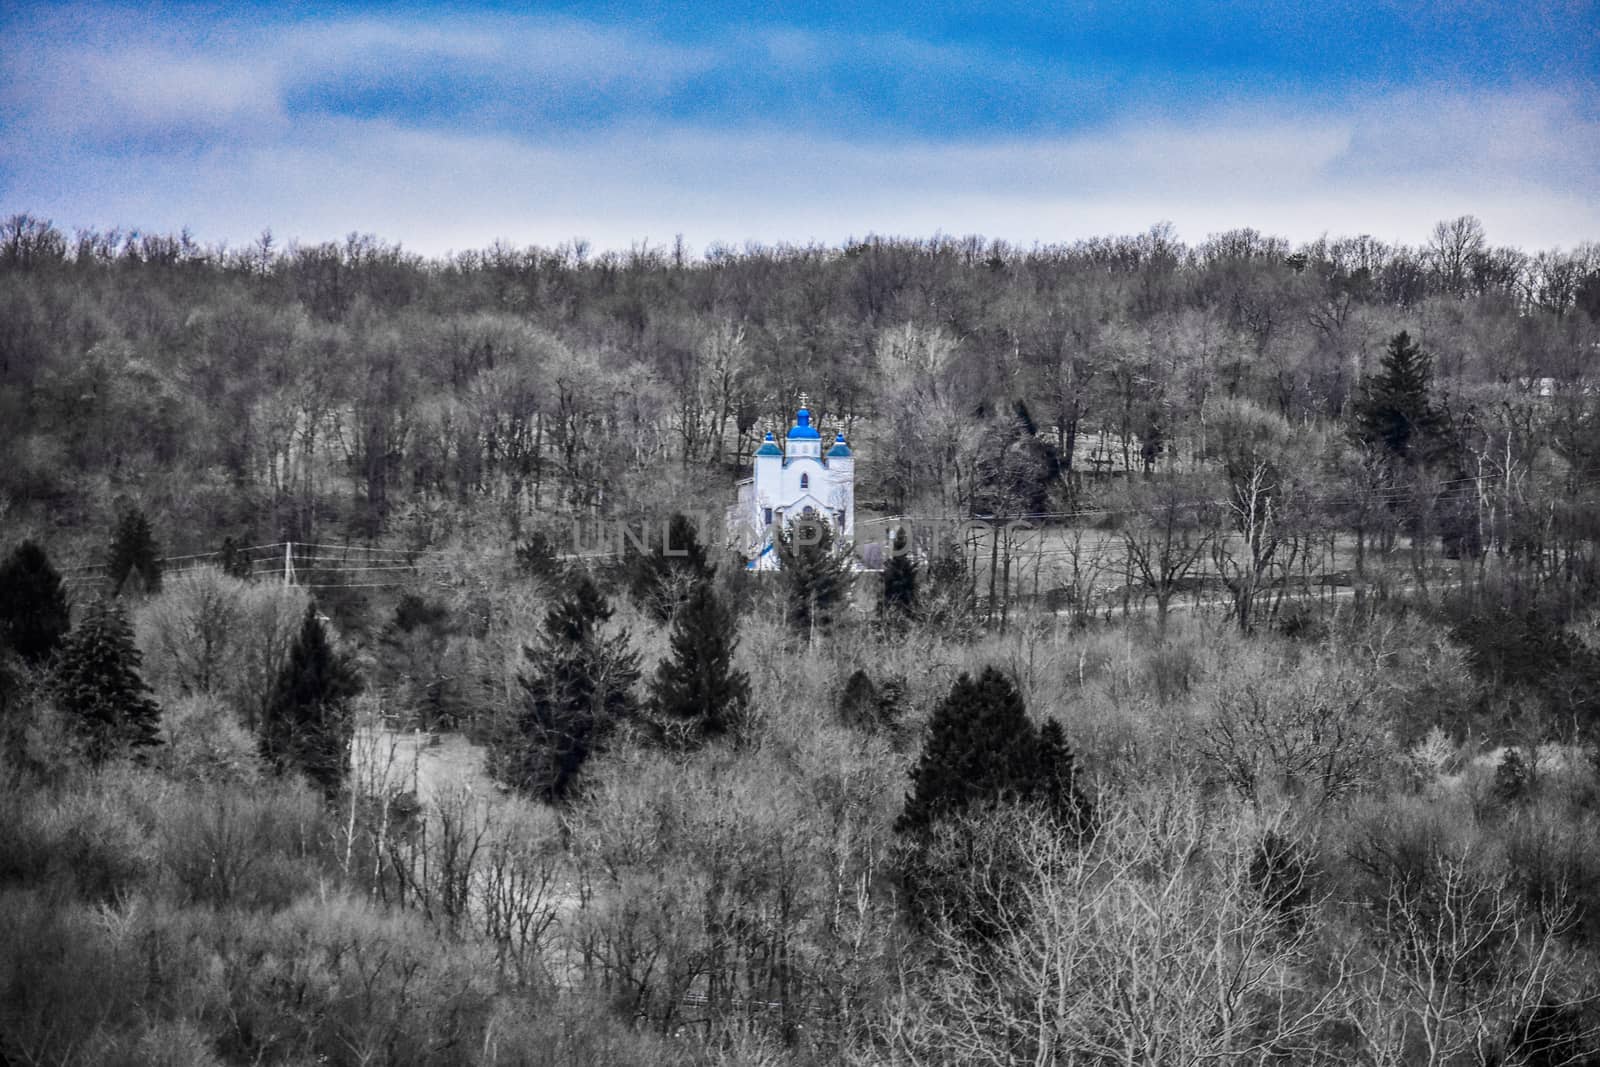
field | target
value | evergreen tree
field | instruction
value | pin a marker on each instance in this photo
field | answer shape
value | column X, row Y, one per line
column 134, row 554
column 981, row 754
column 577, row 689
column 33, row 604
column 98, row 684
column 1072, row 810
column 536, row 557
column 415, row 650
column 235, row 564
column 899, row 580
column 1014, row 469
column 662, row 580
column 868, row 707
column 981, row 749
column 858, row 702
column 307, row 726
column 816, row 579
column 697, row 693
column 1395, row 412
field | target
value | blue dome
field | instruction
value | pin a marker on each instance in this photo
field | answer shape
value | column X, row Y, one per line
column 769, row 446
column 803, row 430
column 839, row 447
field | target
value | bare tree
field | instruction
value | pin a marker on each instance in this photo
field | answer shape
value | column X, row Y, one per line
column 1164, row 543
column 1313, row 732
column 1452, row 251
column 1459, row 969
column 1153, row 945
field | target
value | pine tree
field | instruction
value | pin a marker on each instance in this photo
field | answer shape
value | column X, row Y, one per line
column 816, row 579
column 578, row 688
column 536, row 557
column 98, row 684
column 661, row 581
column 1394, row 411
column 697, row 694
column 33, row 604
column 1072, row 810
column 981, row 753
column 858, row 702
column 234, row 562
column 415, row 650
column 981, row 749
column 899, row 580
column 134, row 553
column 869, row 707
column 307, row 727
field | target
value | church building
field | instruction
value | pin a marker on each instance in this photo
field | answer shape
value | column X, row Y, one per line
column 798, row 478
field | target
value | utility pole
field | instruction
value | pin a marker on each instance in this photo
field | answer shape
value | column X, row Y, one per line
column 288, row 563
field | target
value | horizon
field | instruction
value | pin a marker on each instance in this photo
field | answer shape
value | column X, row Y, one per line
column 581, row 252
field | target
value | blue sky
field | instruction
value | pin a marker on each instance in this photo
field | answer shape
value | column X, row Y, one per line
column 444, row 127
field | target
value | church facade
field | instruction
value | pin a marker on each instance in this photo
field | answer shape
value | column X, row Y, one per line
column 804, row 476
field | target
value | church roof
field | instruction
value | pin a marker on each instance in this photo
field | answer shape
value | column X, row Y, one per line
column 839, row 447
column 769, row 447
column 803, row 430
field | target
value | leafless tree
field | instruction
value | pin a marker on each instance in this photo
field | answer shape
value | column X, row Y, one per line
column 1458, row 963
column 1153, row 945
column 1315, row 732
column 1164, row 543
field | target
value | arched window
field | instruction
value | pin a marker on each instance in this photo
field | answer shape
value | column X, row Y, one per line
column 805, row 481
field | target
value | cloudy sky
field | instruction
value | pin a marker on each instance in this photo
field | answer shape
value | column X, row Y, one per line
column 631, row 122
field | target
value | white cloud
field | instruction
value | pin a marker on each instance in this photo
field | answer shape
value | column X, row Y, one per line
column 116, row 76
column 136, row 90
column 162, row 125
column 1295, row 175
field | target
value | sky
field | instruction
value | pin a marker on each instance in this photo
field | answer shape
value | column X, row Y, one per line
column 447, row 127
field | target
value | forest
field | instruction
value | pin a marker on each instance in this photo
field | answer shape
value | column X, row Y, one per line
column 1214, row 678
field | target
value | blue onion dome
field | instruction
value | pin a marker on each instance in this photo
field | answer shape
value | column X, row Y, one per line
column 769, row 446
column 803, row 430
column 839, row 447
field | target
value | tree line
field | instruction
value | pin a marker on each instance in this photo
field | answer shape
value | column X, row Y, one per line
column 356, row 389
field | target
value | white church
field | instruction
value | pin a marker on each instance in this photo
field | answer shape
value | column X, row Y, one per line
column 794, row 480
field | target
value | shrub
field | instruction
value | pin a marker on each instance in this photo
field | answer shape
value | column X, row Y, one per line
column 234, row 846
column 206, row 743
column 335, row 980
column 1315, row 732
column 82, row 842
column 193, row 635
column 1529, row 652
column 271, row 617
column 60, row 984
